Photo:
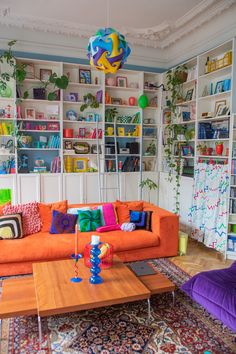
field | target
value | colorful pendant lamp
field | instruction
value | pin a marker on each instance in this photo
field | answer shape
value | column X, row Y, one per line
column 108, row 49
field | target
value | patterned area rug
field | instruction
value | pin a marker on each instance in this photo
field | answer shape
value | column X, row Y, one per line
column 185, row 328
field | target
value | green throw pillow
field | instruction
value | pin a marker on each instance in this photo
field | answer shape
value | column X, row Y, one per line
column 89, row 220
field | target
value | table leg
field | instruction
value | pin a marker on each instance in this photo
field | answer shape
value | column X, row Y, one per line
column 173, row 298
column 149, row 310
column 40, row 332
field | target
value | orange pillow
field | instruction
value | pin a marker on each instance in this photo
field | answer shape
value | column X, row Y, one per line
column 45, row 212
column 2, row 206
column 123, row 209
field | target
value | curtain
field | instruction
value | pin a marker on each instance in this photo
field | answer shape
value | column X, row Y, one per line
column 208, row 214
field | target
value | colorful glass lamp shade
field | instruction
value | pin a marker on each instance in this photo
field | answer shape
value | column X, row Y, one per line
column 108, row 50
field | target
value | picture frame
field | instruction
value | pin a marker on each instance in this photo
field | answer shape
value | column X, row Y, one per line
column 117, row 101
column 29, row 113
column 121, row 81
column 94, row 149
column 187, row 150
column 189, row 95
column 45, row 74
column 121, row 131
column 218, row 104
column 80, row 164
column 82, row 133
column 68, row 145
column 40, row 115
column 85, row 76
column 30, row 71
column 223, row 111
column 219, row 87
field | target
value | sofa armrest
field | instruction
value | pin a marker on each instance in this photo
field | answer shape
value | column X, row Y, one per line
column 166, row 226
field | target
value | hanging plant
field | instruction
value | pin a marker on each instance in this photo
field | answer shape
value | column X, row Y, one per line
column 89, row 101
column 19, row 72
column 175, row 79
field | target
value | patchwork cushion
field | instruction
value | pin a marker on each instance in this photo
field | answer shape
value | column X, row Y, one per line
column 109, row 214
column 138, row 218
column 215, row 290
column 11, row 226
column 30, row 216
column 45, row 211
column 63, row 223
column 89, row 220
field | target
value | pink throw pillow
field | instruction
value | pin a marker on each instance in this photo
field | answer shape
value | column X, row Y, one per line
column 108, row 228
column 30, row 216
column 109, row 214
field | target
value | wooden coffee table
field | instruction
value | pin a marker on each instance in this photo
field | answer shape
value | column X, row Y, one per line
column 49, row 291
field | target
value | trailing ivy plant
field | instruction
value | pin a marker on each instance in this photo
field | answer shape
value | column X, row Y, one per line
column 89, row 101
column 18, row 72
column 174, row 161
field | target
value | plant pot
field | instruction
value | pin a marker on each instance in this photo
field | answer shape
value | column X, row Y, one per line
column 219, row 149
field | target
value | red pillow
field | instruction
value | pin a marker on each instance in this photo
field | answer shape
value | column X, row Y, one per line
column 30, row 216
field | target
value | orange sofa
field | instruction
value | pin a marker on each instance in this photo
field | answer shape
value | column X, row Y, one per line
column 17, row 256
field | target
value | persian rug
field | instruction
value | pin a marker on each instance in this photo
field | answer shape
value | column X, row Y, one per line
column 183, row 328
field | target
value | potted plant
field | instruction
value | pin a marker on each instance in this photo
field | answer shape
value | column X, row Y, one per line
column 151, row 149
column 89, row 101
column 149, row 185
column 202, row 149
column 219, row 148
column 110, row 114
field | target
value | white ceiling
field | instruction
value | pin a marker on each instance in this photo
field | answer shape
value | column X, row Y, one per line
column 161, row 25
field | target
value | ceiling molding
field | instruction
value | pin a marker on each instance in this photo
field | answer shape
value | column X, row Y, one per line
column 161, row 36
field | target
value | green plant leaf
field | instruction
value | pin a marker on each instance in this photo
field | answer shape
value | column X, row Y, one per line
column 52, row 96
column 25, row 95
column 62, row 82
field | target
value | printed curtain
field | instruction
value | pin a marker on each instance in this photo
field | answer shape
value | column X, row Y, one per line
column 208, row 214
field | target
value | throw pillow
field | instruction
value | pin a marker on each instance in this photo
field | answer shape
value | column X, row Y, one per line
column 123, row 210
column 138, row 218
column 128, row 227
column 2, row 206
column 10, row 226
column 149, row 220
column 89, row 220
column 109, row 214
column 30, row 216
column 63, row 223
column 108, row 228
column 45, row 211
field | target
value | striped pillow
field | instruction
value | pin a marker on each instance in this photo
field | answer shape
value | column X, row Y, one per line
column 10, row 226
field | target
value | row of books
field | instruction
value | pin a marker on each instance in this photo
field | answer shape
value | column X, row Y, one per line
column 232, row 206
column 54, row 142
column 233, row 167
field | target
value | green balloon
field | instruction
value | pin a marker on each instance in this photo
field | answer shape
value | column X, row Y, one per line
column 143, row 101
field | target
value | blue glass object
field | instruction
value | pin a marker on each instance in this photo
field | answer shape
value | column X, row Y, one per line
column 95, row 261
column 76, row 257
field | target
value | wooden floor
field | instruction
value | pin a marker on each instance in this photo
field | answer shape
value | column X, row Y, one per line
column 200, row 258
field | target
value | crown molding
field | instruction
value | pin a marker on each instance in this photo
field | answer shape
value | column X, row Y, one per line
column 161, row 36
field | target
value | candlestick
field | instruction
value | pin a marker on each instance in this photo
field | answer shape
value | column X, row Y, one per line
column 95, row 261
column 76, row 239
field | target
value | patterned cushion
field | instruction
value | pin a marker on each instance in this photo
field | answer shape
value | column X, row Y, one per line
column 63, row 223
column 138, row 218
column 149, row 220
column 89, row 220
column 30, row 216
column 10, row 226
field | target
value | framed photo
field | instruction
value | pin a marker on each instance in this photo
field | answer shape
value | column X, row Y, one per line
column 116, row 100
column 85, row 76
column 223, row 111
column 219, row 104
column 82, row 133
column 94, row 149
column 219, row 87
column 30, row 113
column 80, row 164
column 45, row 74
column 121, row 81
column 30, row 72
column 187, row 150
column 40, row 115
column 189, row 95
column 121, row 131
column 68, row 145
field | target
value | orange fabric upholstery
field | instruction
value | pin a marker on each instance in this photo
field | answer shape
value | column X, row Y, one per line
column 17, row 256
column 123, row 209
column 45, row 211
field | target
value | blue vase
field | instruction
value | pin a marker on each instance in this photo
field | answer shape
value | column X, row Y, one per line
column 95, row 269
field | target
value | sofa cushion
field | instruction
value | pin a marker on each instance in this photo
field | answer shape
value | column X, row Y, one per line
column 216, row 291
column 63, row 223
column 2, row 206
column 123, row 210
column 44, row 246
column 109, row 214
column 30, row 216
column 89, row 220
column 11, row 226
column 45, row 212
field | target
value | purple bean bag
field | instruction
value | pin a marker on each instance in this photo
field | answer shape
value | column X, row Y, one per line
column 215, row 290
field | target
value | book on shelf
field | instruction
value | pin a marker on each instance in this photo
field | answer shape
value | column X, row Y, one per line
column 54, row 142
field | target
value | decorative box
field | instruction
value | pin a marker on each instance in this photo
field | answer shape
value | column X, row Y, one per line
column 106, row 255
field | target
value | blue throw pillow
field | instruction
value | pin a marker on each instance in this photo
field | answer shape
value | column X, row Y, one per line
column 63, row 223
column 138, row 218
